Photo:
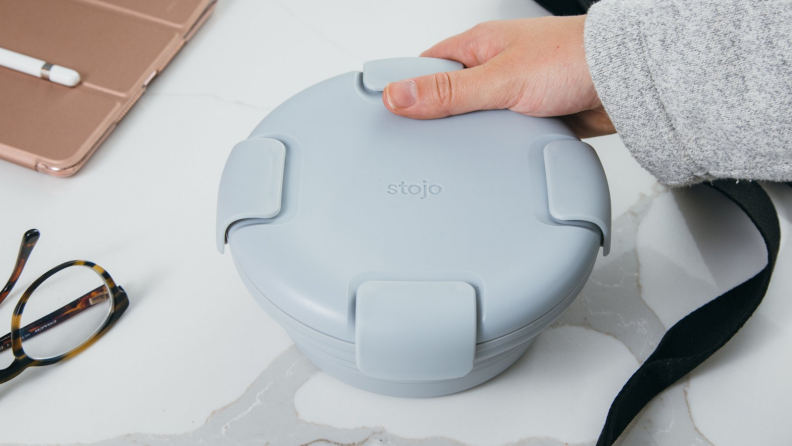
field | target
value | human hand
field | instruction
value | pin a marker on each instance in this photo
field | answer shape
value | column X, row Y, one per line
column 535, row 66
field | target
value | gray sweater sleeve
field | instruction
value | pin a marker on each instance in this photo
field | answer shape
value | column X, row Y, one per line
column 697, row 89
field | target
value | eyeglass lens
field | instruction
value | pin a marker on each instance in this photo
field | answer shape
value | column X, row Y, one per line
column 65, row 311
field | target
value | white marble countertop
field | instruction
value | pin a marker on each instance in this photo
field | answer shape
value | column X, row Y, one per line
column 195, row 360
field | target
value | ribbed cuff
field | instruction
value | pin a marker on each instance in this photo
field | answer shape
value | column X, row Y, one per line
column 618, row 61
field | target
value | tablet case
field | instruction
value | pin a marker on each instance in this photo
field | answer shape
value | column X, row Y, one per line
column 117, row 46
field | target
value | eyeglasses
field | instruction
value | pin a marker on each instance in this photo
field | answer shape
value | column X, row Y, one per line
column 54, row 325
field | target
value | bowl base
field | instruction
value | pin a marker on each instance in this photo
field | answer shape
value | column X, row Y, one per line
column 357, row 379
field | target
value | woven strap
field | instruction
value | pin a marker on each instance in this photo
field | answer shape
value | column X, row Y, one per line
column 701, row 333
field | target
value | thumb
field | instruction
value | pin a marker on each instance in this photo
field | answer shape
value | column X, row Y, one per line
column 445, row 94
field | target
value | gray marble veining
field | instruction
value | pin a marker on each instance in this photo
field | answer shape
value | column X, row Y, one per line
column 610, row 304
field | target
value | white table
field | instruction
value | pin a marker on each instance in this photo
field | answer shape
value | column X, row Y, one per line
column 196, row 360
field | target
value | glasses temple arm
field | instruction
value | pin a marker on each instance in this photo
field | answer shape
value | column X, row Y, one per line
column 64, row 313
column 25, row 248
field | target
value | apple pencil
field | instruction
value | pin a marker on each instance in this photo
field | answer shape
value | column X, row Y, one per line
column 39, row 68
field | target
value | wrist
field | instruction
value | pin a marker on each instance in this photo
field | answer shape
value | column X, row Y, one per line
column 578, row 24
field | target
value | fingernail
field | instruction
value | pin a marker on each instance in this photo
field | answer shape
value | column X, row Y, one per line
column 401, row 94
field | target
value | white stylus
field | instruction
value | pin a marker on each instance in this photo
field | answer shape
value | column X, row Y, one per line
column 39, row 68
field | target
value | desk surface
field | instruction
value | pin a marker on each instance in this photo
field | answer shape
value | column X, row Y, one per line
column 196, row 360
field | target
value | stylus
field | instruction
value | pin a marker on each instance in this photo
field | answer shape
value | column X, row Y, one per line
column 39, row 68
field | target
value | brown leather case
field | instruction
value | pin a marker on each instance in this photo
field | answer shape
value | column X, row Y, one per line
column 117, row 46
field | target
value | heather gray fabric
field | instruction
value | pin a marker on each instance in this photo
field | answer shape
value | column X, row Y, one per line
column 697, row 89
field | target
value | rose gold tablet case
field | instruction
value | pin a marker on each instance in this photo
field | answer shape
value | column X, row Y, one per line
column 117, row 46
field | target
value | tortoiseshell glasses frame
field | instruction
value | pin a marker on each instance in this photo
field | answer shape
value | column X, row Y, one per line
column 109, row 290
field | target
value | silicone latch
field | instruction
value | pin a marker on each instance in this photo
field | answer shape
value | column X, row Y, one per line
column 251, row 185
column 379, row 73
column 415, row 331
column 577, row 189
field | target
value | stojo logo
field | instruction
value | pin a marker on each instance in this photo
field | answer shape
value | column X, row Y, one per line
column 423, row 190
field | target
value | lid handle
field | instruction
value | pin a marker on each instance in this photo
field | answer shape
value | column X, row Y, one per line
column 577, row 189
column 415, row 331
column 251, row 185
column 379, row 73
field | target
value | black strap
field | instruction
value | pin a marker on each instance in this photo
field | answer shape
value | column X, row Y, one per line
column 566, row 7
column 701, row 333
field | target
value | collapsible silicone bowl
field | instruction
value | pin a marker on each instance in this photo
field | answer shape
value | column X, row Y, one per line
column 407, row 257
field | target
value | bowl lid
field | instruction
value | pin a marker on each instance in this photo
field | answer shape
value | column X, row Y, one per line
column 333, row 198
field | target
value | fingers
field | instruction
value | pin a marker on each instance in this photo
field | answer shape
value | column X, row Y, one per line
column 445, row 94
column 474, row 46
